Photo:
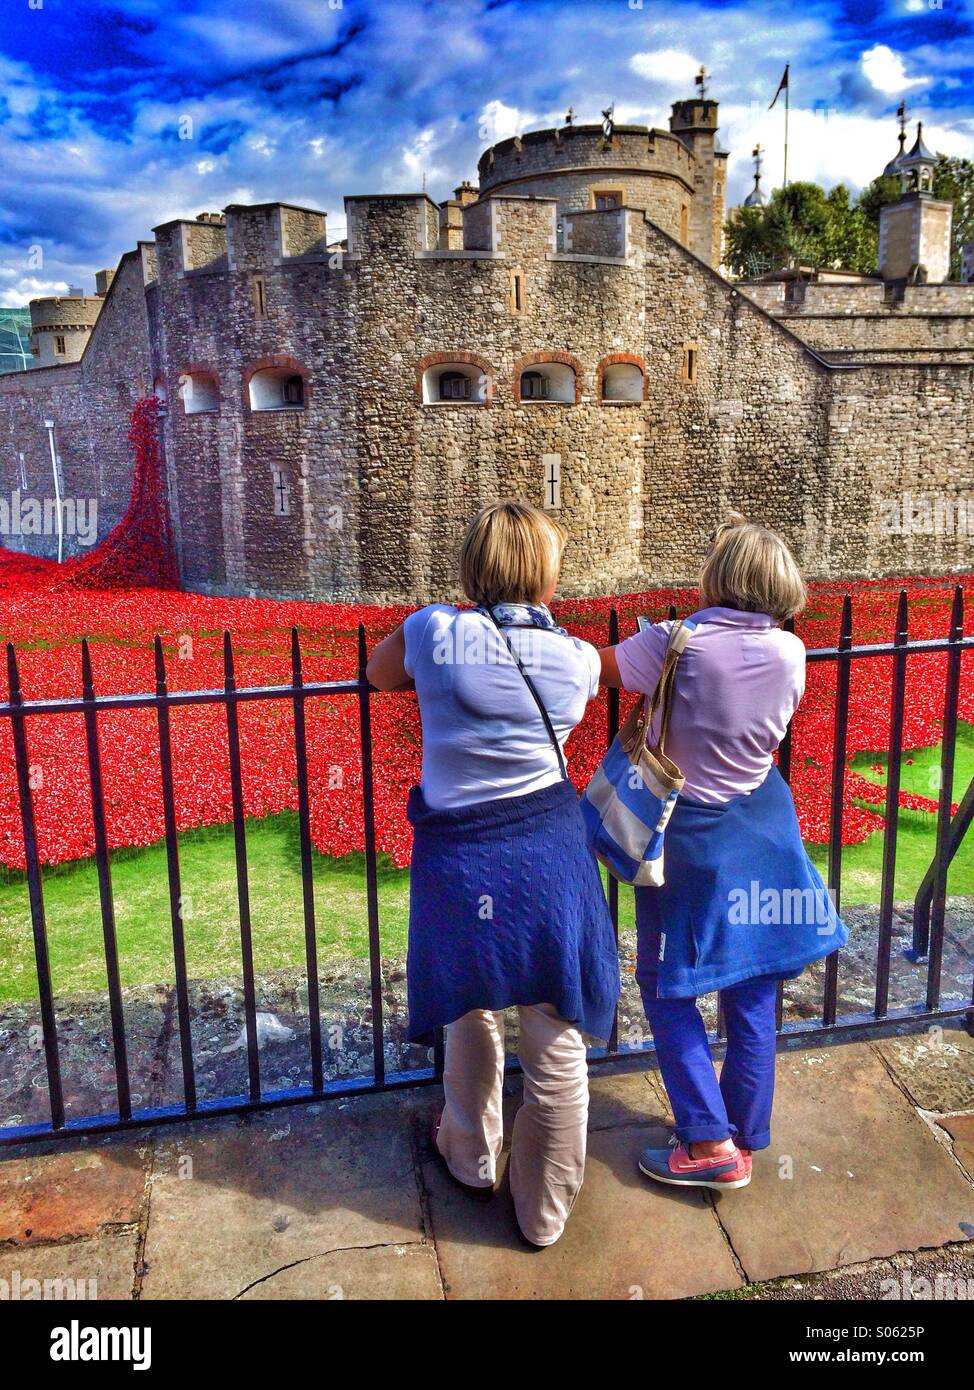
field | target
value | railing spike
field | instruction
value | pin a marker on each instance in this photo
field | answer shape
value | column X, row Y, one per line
column 13, row 674
column 957, row 614
column 160, row 665
column 87, row 677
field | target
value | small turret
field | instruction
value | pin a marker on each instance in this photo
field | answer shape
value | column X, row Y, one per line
column 916, row 168
column 914, row 232
column 694, row 122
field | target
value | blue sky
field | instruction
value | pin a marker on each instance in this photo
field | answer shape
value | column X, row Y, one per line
column 307, row 100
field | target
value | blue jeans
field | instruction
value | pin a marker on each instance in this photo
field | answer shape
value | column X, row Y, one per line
column 740, row 1105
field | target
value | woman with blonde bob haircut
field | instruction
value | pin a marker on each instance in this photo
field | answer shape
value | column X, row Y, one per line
column 506, row 903
column 742, row 906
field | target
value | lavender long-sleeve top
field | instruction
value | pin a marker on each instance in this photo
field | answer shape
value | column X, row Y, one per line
column 738, row 683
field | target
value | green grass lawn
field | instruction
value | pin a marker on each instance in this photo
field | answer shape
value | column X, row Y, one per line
column 209, row 888
column 862, row 864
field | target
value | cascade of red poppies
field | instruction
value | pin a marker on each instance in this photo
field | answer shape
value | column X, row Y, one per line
column 139, row 551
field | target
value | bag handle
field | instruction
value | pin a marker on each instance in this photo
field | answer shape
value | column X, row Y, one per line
column 537, row 699
column 663, row 694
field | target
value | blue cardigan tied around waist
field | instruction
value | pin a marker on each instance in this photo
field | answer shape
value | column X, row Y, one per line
column 506, row 907
column 741, row 898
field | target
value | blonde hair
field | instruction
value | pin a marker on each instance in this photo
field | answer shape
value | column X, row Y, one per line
column 511, row 554
column 751, row 568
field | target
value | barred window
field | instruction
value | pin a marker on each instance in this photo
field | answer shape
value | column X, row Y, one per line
column 454, row 386
column 534, row 386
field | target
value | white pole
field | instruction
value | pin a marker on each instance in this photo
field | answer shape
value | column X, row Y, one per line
column 49, row 425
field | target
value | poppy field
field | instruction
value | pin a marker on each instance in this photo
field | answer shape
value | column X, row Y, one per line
column 47, row 622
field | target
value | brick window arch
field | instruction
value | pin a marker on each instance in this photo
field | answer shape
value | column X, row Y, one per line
column 273, row 383
column 560, row 378
column 620, row 379
column 432, row 389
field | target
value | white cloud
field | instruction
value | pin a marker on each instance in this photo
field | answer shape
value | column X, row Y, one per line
column 418, row 159
column 886, row 71
column 670, row 66
column 498, row 121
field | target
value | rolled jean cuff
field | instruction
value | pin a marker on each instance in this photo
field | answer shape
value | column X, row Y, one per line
column 761, row 1140
column 701, row 1134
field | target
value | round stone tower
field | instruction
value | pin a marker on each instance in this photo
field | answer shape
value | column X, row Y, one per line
column 60, row 326
column 666, row 174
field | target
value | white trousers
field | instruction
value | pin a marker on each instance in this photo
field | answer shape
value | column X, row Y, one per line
column 548, row 1141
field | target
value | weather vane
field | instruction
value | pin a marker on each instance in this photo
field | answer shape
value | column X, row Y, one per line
column 570, row 116
column 608, row 121
column 701, row 81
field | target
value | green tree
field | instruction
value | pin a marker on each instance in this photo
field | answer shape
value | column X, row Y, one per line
column 804, row 225
column 801, row 225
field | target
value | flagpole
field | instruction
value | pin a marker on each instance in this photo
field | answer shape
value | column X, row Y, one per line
column 787, row 95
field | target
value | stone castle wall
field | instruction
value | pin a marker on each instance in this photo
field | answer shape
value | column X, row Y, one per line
column 381, row 485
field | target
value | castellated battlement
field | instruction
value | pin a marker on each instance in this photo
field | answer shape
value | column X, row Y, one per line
column 183, row 246
column 382, row 229
column 576, row 147
column 391, row 223
column 63, row 312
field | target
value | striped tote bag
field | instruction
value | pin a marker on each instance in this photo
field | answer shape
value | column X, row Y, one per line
column 629, row 801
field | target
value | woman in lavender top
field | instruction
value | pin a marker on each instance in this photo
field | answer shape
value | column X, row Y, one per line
column 742, row 906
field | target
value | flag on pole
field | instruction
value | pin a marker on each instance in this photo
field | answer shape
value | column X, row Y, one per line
column 782, row 85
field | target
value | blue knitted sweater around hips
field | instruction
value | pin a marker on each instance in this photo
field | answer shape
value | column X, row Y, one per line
column 506, row 907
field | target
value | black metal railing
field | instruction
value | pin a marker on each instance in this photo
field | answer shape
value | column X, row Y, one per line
column 930, row 908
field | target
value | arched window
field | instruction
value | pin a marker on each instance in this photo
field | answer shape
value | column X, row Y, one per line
column 199, row 392
column 547, row 381
column 277, row 388
column 455, row 383
column 622, row 381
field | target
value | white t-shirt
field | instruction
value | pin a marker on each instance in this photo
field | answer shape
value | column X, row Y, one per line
column 483, row 735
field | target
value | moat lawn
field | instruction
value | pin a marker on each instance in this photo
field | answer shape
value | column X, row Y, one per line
column 209, row 888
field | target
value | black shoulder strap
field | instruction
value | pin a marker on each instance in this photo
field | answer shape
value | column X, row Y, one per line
column 537, row 699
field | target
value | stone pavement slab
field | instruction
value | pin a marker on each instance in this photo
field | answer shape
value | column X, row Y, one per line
column 624, row 1240
column 55, row 1196
column 854, row 1173
column 233, row 1202
column 936, row 1066
column 102, row 1267
column 397, row 1272
column 636, row 1098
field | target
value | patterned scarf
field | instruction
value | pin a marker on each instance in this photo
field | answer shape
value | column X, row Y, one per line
column 521, row 615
